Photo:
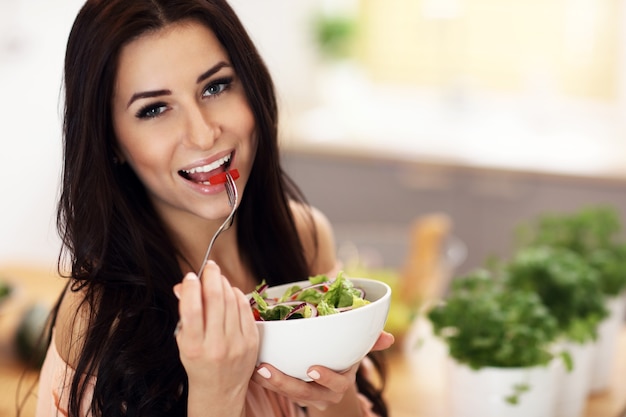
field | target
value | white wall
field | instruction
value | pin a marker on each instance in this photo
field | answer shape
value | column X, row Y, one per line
column 32, row 41
column 280, row 29
column 32, row 44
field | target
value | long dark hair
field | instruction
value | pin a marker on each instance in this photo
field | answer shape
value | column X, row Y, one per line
column 115, row 245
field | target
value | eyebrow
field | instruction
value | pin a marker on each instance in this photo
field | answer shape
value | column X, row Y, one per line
column 147, row 94
column 215, row 68
column 156, row 93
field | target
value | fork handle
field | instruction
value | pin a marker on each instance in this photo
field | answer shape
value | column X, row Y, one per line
column 231, row 191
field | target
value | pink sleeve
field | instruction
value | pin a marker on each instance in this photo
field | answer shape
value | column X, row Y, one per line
column 54, row 385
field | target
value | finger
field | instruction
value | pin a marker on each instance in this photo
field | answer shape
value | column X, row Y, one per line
column 213, row 294
column 231, row 323
column 384, row 341
column 190, row 309
column 337, row 382
column 247, row 322
column 301, row 392
column 246, row 318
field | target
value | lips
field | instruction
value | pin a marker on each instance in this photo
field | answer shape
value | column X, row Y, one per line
column 201, row 174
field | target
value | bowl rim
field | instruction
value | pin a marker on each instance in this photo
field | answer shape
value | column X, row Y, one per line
column 384, row 297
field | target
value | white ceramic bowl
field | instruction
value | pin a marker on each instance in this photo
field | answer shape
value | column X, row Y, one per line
column 337, row 341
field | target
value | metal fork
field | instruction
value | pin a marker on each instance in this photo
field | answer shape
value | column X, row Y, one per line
column 233, row 194
column 231, row 191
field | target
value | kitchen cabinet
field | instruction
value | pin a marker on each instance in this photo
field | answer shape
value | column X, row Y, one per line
column 372, row 199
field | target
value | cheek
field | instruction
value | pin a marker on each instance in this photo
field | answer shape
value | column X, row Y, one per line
column 248, row 127
column 124, row 140
column 254, row 144
column 248, row 130
column 141, row 148
column 146, row 159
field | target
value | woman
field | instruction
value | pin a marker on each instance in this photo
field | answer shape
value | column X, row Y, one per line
column 157, row 92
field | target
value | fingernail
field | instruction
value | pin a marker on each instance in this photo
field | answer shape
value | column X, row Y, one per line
column 314, row 375
column 191, row 276
column 264, row 372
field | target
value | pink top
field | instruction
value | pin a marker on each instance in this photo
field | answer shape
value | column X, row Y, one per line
column 56, row 377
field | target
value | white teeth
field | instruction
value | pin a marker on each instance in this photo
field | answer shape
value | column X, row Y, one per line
column 209, row 167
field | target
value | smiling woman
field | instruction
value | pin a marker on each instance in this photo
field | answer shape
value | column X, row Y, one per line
column 180, row 119
column 160, row 98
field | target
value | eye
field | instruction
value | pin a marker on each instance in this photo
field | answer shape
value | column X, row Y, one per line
column 217, row 87
column 151, row 111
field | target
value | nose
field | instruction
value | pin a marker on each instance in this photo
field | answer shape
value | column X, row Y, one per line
column 202, row 129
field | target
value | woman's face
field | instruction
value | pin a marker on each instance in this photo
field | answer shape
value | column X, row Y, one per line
column 180, row 115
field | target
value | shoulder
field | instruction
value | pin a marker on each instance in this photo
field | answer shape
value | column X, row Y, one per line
column 71, row 325
column 316, row 234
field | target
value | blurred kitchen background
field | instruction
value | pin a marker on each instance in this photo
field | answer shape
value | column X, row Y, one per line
column 488, row 111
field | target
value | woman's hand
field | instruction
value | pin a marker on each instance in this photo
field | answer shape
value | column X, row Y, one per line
column 218, row 342
column 385, row 340
column 328, row 388
column 330, row 391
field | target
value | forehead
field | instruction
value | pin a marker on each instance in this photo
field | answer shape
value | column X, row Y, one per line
column 180, row 50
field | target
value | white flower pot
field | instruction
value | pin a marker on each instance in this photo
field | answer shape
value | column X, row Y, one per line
column 573, row 386
column 606, row 346
column 484, row 392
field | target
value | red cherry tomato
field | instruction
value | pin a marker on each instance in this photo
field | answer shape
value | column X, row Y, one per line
column 221, row 177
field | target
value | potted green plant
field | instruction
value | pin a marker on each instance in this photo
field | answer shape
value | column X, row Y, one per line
column 594, row 233
column 498, row 339
column 567, row 285
column 611, row 265
column 335, row 35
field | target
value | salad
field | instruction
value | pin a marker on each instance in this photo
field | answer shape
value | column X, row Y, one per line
column 322, row 297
